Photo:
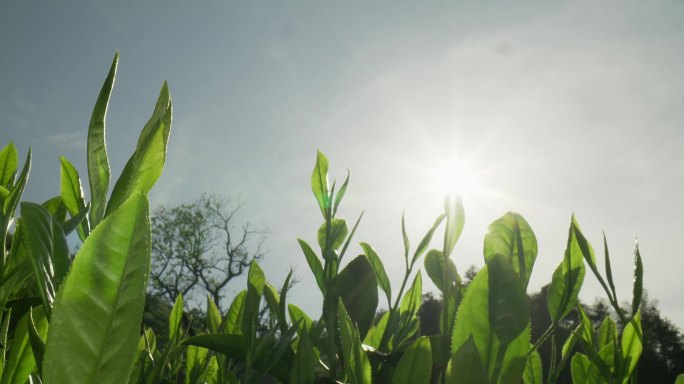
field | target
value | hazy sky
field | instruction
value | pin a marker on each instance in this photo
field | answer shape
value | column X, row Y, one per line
column 545, row 108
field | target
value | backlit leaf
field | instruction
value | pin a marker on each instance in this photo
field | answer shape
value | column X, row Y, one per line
column 319, row 183
column 145, row 165
column 503, row 237
column 380, row 274
column 95, row 324
column 415, row 366
column 98, row 163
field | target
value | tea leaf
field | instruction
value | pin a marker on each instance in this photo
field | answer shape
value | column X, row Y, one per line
column 404, row 237
column 213, row 316
column 338, row 232
column 473, row 320
column 609, row 270
column 340, row 194
column 425, row 242
column 356, row 363
column 298, row 316
column 303, row 369
column 98, row 163
column 434, row 266
column 533, row 369
column 48, row 249
column 466, row 365
column 453, row 208
column 37, row 337
column 567, row 280
column 256, row 280
column 319, row 183
column 9, row 161
column 632, row 344
column 99, row 306
column 509, row 309
column 314, row 264
column 415, row 365
column 504, row 237
column 583, row 371
column 11, row 202
column 72, row 194
column 175, row 319
column 21, row 362
column 638, row 280
column 357, row 287
column 233, row 320
column 145, row 165
column 380, row 274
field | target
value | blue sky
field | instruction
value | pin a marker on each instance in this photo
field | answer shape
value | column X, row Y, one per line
column 548, row 107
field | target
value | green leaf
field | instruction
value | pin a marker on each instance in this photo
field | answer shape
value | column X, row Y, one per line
column 37, row 337
column 98, row 163
column 72, row 194
column 338, row 232
column 233, row 320
column 680, row 379
column 145, row 165
column 412, row 299
column 467, row 366
column 453, row 207
column 9, row 161
column 56, row 208
column 48, row 249
column 434, row 266
column 509, row 307
column 213, row 316
column 175, row 320
column 567, row 280
column 269, row 350
column 504, row 237
column 303, row 369
column 473, row 320
column 609, row 270
column 357, row 286
column 607, row 333
column 199, row 365
column 583, row 371
column 4, row 328
column 404, row 236
column 425, row 242
column 21, row 361
column 638, row 280
column 380, row 274
column 314, row 264
column 298, row 316
column 632, row 344
column 356, row 363
column 282, row 303
column 99, row 306
column 256, row 280
column 374, row 336
column 415, row 366
column 319, row 183
column 533, row 369
column 11, row 202
column 340, row 194
column 234, row 346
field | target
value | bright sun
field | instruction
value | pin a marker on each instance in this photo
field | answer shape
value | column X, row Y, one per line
column 455, row 178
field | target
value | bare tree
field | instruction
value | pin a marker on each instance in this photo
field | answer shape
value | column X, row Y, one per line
column 197, row 248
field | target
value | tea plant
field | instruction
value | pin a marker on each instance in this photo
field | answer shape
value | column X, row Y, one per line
column 78, row 321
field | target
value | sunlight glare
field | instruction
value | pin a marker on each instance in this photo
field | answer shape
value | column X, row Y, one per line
column 455, row 178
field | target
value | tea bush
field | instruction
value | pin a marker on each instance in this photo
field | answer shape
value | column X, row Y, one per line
column 78, row 321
